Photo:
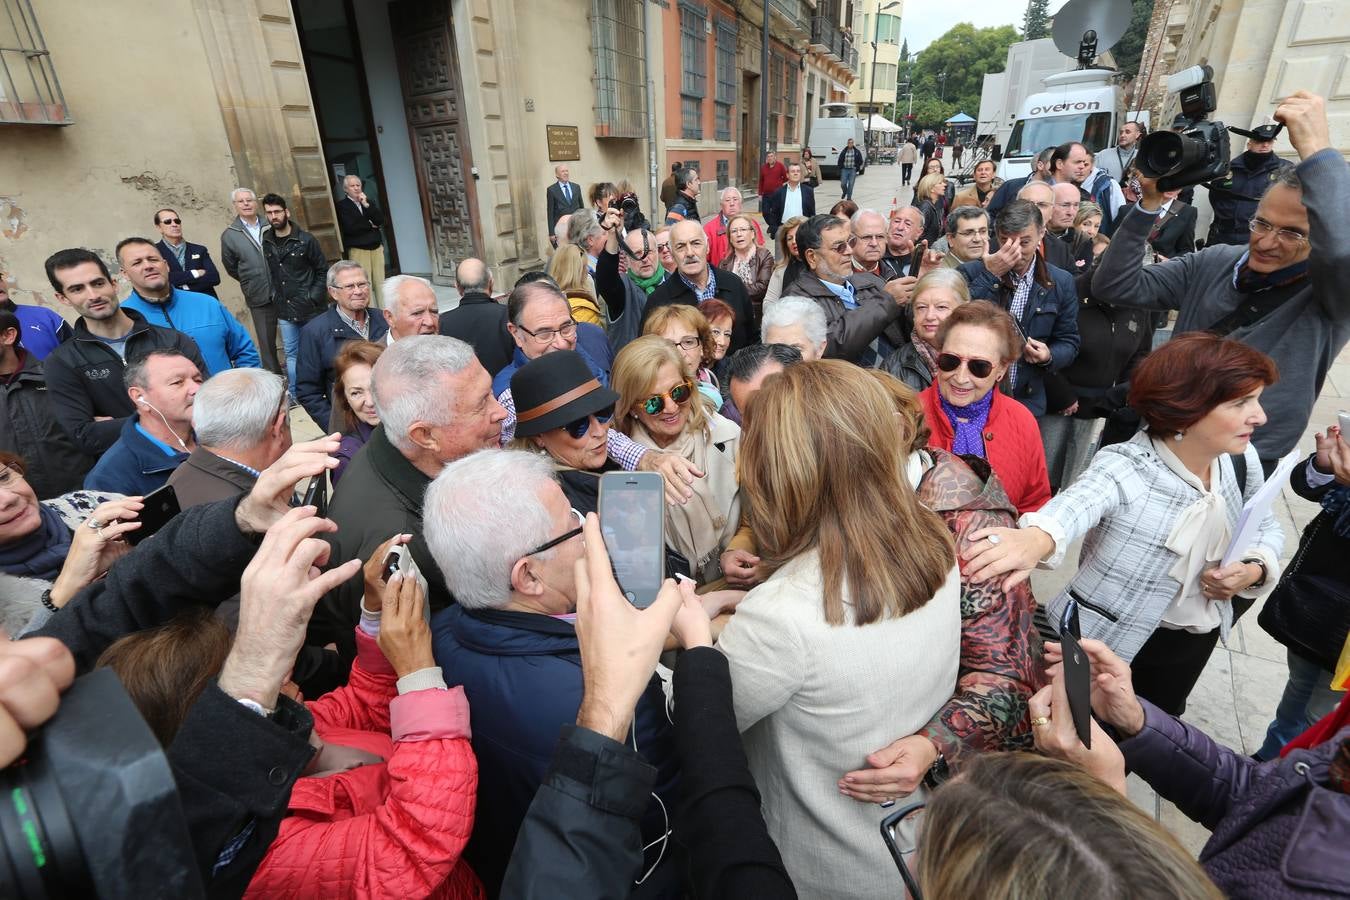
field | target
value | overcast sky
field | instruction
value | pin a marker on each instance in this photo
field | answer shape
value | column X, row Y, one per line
column 925, row 21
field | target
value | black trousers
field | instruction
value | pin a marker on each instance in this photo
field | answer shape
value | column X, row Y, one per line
column 265, row 327
column 1166, row 668
column 905, row 170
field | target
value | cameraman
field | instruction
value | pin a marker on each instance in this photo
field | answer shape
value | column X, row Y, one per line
column 1279, row 294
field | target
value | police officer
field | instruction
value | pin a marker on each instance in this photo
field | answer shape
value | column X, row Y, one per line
column 1235, row 196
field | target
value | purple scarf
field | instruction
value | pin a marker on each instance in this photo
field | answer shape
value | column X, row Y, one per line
column 967, row 435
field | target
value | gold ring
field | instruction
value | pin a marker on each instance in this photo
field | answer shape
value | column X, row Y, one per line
column 1039, row 721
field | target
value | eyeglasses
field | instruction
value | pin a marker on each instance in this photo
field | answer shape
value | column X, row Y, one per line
column 579, row 428
column 9, row 476
column 679, row 394
column 1290, row 238
column 171, row 221
column 973, row 232
column 866, row 239
column 950, row 362
column 840, row 248
column 546, row 335
column 562, row 538
column 354, row 286
column 902, row 842
column 688, row 342
column 741, row 231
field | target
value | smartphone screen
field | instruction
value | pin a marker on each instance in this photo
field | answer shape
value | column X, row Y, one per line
column 632, row 521
column 160, row 506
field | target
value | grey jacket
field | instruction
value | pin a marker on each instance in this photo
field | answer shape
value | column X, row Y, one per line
column 244, row 261
column 851, row 331
column 1303, row 335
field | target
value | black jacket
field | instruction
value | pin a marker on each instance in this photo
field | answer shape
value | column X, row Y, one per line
column 1234, row 198
column 558, row 206
column 54, row 465
column 299, row 274
column 773, row 206
column 320, row 340
column 234, row 768
column 1174, row 233
column 580, row 837
column 197, row 257
column 684, row 207
column 730, row 291
column 480, row 322
column 84, row 379
column 360, row 227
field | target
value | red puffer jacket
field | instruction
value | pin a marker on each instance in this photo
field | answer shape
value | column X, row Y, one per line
column 393, row 829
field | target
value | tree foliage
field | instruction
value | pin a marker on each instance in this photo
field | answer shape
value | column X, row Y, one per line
column 1131, row 46
column 966, row 54
column 1036, row 22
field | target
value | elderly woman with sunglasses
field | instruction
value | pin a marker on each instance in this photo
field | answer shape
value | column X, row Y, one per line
column 49, row 550
column 660, row 407
column 969, row 416
column 689, row 331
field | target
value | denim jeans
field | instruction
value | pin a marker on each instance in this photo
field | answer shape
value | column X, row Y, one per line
column 846, row 177
column 290, row 343
column 1307, row 697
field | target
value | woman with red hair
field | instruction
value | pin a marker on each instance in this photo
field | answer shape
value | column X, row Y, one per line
column 1156, row 515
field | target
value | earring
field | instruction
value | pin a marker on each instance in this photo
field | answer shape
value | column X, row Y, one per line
column 1178, row 436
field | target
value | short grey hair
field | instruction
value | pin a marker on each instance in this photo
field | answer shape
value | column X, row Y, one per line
column 237, row 407
column 1018, row 216
column 481, row 515
column 338, row 268
column 857, row 216
column 730, row 190
column 560, row 229
column 392, row 288
column 407, row 381
column 962, row 213
column 137, row 373
column 583, row 225
column 788, row 311
column 234, row 194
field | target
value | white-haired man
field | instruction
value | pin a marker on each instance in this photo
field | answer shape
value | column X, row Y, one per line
column 409, row 307
column 360, row 220
column 797, row 322
column 240, row 418
column 500, row 528
column 243, row 258
column 435, row 405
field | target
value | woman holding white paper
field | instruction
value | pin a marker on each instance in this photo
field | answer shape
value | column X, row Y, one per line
column 1157, row 514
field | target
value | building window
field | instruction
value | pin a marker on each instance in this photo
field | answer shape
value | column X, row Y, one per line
column 620, row 74
column 693, row 69
column 726, row 79
column 723, row 174
column 29, row 90
column 776, row 95
column 790, row 109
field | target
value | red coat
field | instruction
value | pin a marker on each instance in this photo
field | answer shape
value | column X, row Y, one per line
column 771, row 178
column 1012, row 444
column 719, row 245
column 395, row 829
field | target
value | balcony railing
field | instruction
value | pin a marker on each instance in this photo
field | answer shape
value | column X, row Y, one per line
column 794, row 11
column 825, row 34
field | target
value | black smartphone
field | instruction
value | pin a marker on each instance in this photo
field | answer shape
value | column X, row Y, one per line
column 633, row 523
column 1078, row 686
column 316, row 495
column 1068, row 620
column 160, row 506
column 916, row 258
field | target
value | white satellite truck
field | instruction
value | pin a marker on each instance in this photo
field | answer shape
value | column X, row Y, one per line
column 1082, row 104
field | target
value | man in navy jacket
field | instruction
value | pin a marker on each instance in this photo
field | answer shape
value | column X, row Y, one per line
column 190, row 266
column 323, row 336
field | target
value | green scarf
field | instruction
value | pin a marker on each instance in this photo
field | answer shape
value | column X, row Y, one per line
column 648, row 284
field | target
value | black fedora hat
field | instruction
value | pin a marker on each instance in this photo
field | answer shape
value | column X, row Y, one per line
column 555, row 389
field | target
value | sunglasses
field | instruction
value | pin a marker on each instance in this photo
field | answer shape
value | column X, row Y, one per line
column 579, row 428
column 171, row 221
column 950, row 362
column 680, row 394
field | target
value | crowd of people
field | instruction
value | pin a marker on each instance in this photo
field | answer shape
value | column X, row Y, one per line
column 395, row 660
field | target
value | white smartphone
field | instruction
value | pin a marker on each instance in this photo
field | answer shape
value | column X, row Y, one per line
column 633, row 522
column 1344, row 418
column 400, row 560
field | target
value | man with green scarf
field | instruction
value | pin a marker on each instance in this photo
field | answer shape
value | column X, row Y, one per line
column 627, row 294
column 1282, row 293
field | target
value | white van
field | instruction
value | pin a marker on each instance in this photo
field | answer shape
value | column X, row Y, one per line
column 1079, row 105
column 830, row 133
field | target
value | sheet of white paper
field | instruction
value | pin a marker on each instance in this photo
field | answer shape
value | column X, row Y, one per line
column 1254, row 511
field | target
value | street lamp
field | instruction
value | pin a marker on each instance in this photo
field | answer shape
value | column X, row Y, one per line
column 942, row 85
column 872, row 93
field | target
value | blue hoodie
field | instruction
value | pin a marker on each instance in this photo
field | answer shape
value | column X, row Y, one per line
column 223, row 341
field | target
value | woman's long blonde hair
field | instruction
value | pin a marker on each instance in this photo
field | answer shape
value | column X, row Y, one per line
column 635, row 370
column 1089, row 840
column 784, row 257
column 822, row 466
column 568, row 268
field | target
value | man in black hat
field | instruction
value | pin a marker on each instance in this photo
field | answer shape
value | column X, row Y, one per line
column 1234, row 197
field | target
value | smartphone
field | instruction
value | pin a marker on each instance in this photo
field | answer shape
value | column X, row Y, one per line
column 160, row 506
column 916, row 259
column 1078, row 686
column 1344, row 418
column 1068, row 620
column 316, row 495
column 633, row 523
column 400, row 559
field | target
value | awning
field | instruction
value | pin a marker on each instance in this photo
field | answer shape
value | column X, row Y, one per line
column 960, row 119
column 878, row 122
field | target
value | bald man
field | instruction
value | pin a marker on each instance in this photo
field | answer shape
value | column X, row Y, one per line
column 695, row 281
column 563, row 197
column 1067, row 198
column 479, row 320
column 1056, row 252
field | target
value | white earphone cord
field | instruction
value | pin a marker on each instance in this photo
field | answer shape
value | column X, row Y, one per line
column 180, row 441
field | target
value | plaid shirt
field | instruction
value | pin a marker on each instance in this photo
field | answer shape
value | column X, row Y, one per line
column 1124, row 506
column 1018, row 305
column 708, row 293
column 622, row 449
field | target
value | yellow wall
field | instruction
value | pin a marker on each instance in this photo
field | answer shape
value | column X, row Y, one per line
column 147, row 134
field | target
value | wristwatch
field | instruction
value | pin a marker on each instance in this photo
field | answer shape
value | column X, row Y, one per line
column 1265, row 573
column 938, row 772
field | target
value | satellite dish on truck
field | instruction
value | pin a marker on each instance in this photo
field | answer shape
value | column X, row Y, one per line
column 1084, row 28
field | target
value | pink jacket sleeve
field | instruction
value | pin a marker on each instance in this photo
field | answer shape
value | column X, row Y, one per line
column 363, row 702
